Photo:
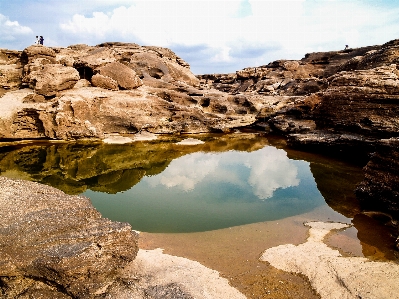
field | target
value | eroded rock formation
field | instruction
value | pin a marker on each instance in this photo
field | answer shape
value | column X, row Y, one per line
column 88, row 92
column 343, row 103
column 55, row 245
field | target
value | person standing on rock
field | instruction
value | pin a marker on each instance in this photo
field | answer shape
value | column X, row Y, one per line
column 41, row 40
column 37, row 40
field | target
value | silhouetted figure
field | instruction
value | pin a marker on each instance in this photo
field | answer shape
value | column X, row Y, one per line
column 37, row 40
column 41, row 40
column 346, row 47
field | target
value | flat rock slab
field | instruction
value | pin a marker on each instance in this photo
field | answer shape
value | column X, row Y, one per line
column 332, row 275
column 155, row 274
column 57, row 243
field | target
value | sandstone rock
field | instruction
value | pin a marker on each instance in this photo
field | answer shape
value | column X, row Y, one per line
column 9, row 56
column 10, row 77
column 94, row 57
column 37, row 51
column 52, row 78
column 106, row 82
column 57, row 244
column 65, row 60
column 301, row 77
column 82, row 83
column 362, row 101
column 125, row 77
column 149, row 65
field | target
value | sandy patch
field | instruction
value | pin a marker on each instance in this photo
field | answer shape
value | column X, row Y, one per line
column 332, row 275
column 117, row 139
column 145, row 136
column 12, row 101
column 190, row 141
column 156, row 273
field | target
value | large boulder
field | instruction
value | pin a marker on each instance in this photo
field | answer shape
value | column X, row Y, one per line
column 106, row 82
column 125, row 77
column 55, row 245
column 52, row 78
column 33, row 52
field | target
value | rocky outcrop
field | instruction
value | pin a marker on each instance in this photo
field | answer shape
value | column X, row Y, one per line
column 52, row 78
column 89, row 92
column 342, row 103
column 56, row 245
column 10, row 71
column 361, row 101
column 286, row 77
column 124, row 76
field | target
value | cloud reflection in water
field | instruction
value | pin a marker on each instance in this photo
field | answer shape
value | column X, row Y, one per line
column 269, row 169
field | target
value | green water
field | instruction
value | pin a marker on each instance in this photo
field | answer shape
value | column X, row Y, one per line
column 161, row 186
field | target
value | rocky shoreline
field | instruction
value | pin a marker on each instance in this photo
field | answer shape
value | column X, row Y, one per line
column 340, row 103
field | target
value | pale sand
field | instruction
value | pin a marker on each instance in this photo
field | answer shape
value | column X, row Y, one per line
column 190, row 141
column 119, row 139
column 12, row 102
column 145, row 136
column 332, row 275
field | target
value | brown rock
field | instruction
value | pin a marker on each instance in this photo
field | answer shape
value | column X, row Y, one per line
column 52, row 78
column 82, row 83
column 10, row 77
column 57, row 244
column 37, row 51
column 102, row 81
column 362, row 101
column 125, row 77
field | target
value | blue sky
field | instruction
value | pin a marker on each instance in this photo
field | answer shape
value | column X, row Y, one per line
column 217, row 36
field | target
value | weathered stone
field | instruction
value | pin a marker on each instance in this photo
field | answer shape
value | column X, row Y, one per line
column 82, row 83
column 52, row 78
column 363, row 101
column 37, row 51
column 10, row 77
column 125, row 77
column 102, row 81
column 154, row 65
column 58, row 243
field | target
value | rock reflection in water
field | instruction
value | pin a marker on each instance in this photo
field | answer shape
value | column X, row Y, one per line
column 76, row 167
column 228, row 180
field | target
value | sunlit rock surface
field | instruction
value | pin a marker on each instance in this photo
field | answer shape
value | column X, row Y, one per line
column 88, row 92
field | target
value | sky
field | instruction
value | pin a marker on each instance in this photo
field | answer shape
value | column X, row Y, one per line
column 218, row 36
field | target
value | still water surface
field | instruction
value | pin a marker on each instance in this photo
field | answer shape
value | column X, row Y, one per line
column 162, row 186
column 207, row 191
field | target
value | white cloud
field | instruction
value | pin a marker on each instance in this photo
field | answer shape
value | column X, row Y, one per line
column 11, row 30
column 277, row 29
